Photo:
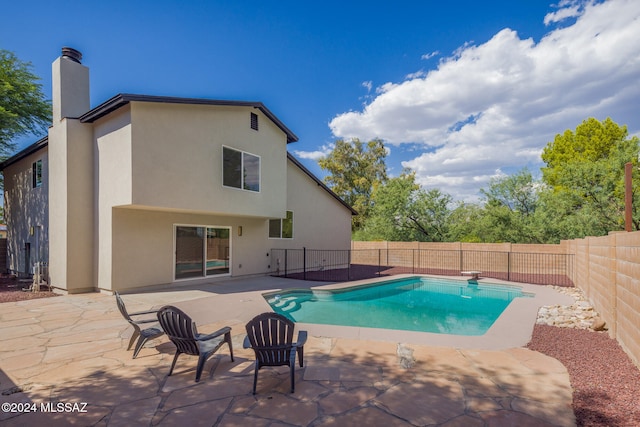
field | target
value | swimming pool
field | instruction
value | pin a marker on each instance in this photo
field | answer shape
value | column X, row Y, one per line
column 422, row 304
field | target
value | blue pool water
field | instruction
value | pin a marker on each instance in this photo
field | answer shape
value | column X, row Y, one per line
column 413, row 304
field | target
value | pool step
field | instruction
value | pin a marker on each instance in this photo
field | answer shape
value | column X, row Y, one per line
column 287, row 304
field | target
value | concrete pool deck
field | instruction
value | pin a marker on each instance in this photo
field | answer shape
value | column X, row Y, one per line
column 72, row 349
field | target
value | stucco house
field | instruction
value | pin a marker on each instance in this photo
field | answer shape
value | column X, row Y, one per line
column 147, row 190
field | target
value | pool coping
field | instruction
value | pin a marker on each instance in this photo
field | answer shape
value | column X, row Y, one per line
column 513, row 328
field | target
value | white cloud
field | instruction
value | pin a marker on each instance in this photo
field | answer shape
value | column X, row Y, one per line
column 567, row 9
column 496, row 105
column 430, row 55
column 416, row 75
column 315, row 155
column 367, row 85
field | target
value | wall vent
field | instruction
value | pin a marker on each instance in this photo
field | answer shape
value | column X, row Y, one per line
column 254, row 121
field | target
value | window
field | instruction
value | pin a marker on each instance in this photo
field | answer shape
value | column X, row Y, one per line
column 254, row 121
column 36, row 173
column 281, row 228
column 240, row 169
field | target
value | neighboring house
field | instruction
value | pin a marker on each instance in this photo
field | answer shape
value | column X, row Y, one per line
column 26, row 213
column 148, row 190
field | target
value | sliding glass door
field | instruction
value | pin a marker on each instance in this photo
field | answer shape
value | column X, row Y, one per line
column 201, row 251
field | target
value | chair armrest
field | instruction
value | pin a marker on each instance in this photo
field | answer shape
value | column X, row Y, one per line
column 138, row 322
column 302, row 338
column 138, row 313
column 246, row 343
column 217, row 333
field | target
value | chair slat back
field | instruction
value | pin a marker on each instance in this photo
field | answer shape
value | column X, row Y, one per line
column 271, row 337
column 122, row 308
column 180, row 329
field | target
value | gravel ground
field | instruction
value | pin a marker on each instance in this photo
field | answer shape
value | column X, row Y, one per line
column 11, row 290
column 606, row 384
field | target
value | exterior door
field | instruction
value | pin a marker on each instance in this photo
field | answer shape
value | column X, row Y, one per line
column 201, row 251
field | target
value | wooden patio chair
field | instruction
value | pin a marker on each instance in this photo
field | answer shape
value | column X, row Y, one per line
column 270, row 335
column 142, row 333
column 183, row 333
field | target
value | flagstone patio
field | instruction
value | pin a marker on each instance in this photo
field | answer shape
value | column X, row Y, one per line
column 72, row 350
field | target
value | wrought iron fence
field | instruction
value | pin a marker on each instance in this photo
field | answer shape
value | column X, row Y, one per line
column 345, row 265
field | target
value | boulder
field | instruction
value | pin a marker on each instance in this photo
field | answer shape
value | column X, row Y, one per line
column 599, row 324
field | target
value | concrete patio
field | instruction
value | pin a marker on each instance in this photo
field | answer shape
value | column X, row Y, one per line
column 72, row 350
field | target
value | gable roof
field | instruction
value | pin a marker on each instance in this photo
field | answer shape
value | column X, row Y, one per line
column 39, row 144
column 123, row 99
column 320, row 183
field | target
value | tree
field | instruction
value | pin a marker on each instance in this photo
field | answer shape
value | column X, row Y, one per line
column 389, row 200
column 517, row 193
column 558, row 217
column 585, row 170
column 402, row 211
column 466, row 224
column 511, row 203
column 23, row 107
column 355, row 170
column 592, row 141
column 507, row 215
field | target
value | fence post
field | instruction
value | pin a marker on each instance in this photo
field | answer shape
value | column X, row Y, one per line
column 413, row 261
column 304, row 263
column 285, row 261
column 509, row 266
column 461, row 260
column 379, row 260
column 349, row 264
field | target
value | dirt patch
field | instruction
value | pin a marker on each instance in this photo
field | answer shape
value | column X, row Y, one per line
column 11, row 290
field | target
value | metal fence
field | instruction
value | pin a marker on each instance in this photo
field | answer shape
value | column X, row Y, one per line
column 345, row 265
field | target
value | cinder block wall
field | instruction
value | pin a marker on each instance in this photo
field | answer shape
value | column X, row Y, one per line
column 628, row 293
column 608, row 271
column 401, row 254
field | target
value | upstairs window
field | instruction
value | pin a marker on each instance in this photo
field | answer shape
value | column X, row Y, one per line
column 240, row 169
column 281, row 228
column 36, row 173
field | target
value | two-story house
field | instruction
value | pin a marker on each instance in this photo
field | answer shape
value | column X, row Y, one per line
column 147, row 190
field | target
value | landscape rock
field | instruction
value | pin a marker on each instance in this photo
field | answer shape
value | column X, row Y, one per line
column 579, row 315
column 599, row 324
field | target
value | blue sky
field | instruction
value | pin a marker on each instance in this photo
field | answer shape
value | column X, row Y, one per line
column 460, row 91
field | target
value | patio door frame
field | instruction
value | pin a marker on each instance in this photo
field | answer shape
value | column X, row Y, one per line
column 204, row 251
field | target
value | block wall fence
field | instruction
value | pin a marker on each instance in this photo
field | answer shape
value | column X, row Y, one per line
column 607, row 270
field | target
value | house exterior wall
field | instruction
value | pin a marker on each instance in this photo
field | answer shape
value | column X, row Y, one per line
column 159, row 165
column 26, row 207
column 143, row 246
column 177, row 159
column 113, row 172
column 319, row 220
